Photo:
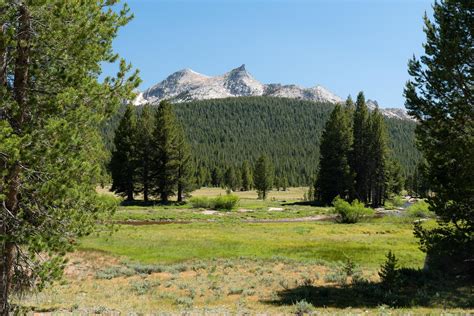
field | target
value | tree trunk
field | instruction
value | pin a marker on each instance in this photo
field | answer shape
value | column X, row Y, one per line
column 180, row 193
column 129, row 195
column 164, row 197
column 145, row 192
column 3, row 57
column 20, row 88
column 145, row 181
column 6, row 268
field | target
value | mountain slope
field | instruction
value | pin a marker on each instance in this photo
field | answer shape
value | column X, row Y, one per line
column 225, row 132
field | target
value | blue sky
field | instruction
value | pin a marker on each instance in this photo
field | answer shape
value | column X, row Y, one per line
column 343, row 45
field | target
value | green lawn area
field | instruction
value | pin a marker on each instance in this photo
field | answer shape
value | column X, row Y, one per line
column 365, row 243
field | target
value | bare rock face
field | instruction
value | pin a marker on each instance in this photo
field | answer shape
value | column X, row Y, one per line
column 187, row 85
column 389, row 112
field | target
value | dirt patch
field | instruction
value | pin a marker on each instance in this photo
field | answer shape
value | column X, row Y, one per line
column 276, row 209
column 243, row 210
column 317, row 218
column 84, row 264
column 209, row 212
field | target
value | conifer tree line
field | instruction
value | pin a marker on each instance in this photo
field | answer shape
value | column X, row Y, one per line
column 151, row 155
column 223, row 133
column 354, row 156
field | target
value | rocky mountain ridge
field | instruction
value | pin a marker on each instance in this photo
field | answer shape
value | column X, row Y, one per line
column 188, row 85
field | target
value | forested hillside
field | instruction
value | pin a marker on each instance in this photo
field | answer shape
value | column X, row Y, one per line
column 224, row 132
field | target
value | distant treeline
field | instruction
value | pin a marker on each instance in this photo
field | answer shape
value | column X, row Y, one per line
column 226, row 132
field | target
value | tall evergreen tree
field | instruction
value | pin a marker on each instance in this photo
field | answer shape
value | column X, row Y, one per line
column 51, row 152
column 417, row 183
column 376, row 158
column 230, row 179
column 184, row 165
column 350, row 107
column 247, row 178
column 123, row 165
column 360, row 149
column 165, row 159
column 395, row 181
column 334, row 177
column 216, row 177
column 263, row 176
column 440, row 96
column 202, row 176
column 144, row 149
column 284, row 183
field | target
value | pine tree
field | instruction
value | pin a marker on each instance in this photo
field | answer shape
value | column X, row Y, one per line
column 247, row 179
column 395, row 181
column 360, row 150
column 417, row 183
column 165, row 158
column 389, row 273
column 144, row 149
column 230, row 179
column 334, row 177
column 51, row 152
column 216, row 177
column 440, row 96
column 284, row 183
column 350, row 107
column 123, row 165
column 202, row 176
column 184, row 165
column 377, row 156
column 277, row 183
column 263, row 176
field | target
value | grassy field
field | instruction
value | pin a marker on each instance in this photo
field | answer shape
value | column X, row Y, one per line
column 365, row 243
column 221, row 263
column 285, row 205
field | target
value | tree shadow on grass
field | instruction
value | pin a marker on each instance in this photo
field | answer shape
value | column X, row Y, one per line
column 303, row 203
column 416, row 288
column 150, row 203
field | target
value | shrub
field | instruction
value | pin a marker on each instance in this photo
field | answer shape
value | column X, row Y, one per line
column 350, row 213
column 303, row 307
column 235, row 291
column 398, row 201
column 226, row 202
column 394, row 202
column 200, row 202
column 222, row 202
column 146, row 268
column 337, row 276
column 389, row 205
column 143, row 287
column 184, row 301
column 114, row 272
column 341, row 271
column 420, row 210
